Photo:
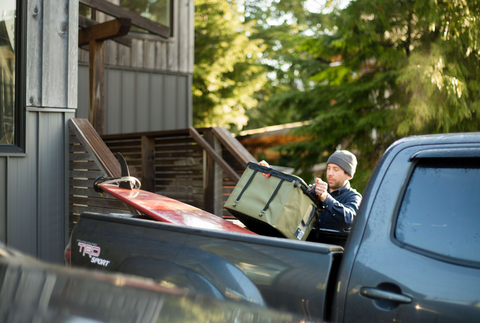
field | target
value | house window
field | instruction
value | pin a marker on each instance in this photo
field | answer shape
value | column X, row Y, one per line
column 157, row 10
column 7, row 73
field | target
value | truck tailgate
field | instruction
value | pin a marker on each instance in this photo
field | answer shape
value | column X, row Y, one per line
column 279, row 273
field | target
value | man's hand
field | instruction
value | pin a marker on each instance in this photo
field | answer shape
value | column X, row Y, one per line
column 321, row 188
column 264, row 163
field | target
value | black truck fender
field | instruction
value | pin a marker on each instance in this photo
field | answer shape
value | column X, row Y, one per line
column 229, row 283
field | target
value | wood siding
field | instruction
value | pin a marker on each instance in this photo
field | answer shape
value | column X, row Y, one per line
column 52, row 48
column 33, row 188
column 148, row 87
column 140, row 100
column 34, row 184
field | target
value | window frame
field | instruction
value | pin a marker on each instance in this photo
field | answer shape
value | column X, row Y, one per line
column 115, row 10
column 18, row 146
column 415, row 160
column 151, row 36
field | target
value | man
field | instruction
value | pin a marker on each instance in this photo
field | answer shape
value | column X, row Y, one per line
column 339, row 200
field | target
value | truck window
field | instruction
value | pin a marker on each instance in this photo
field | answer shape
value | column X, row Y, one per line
column 440, row 211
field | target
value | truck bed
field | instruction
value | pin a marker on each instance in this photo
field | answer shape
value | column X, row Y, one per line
column 279, row 273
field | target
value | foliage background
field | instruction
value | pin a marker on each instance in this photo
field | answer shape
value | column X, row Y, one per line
column 364, row 75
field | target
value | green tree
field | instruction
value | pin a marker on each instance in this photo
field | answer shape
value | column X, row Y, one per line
column 387, row 69
column 281, row 25
column 226, row 74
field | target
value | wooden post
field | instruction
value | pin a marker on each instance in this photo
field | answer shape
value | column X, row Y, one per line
column 213, row 177
column 94, row 36
column 148, row 163
column 96, row 81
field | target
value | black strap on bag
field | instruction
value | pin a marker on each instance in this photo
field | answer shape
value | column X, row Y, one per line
column 287, row 177
column 271, row 198
column 244, row 188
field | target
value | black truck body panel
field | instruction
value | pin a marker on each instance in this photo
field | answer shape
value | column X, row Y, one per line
column 283, row 274
column 412, row 254
column 34, row 291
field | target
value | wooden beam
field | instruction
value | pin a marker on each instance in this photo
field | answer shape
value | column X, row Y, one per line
column 213, row 177
column 229, row 170
column 96, row 84
column 137, row 20
column 95, row 147
column 84, row 22
column 148, row 163
column 107, row 30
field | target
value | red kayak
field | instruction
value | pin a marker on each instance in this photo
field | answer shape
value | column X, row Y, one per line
column 168, row 210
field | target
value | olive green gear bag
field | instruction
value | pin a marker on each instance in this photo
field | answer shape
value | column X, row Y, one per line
column 273, row 203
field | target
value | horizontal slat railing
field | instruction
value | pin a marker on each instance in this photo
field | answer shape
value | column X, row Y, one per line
column 89, row 158
column 201, row 170
column 175, row 164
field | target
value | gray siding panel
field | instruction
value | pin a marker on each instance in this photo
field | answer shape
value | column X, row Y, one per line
column 82, row 111
column 33, row 186
column 22, row 194
column 171, row 102
column 143, row 102
column 182, row 117
column 51, row 187
column 190, row 101
column 128, row 101
column 137, row 101
column 34, row 208
column 113, row 106
column 3, row 199
column 157, row 121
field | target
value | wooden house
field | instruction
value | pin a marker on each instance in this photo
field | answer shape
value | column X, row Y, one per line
column 43, row 84
column 148, row 82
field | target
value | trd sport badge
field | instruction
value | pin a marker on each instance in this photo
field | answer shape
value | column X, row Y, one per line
column 93, row 251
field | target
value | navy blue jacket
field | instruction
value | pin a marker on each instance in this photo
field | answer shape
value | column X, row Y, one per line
column 340, row 209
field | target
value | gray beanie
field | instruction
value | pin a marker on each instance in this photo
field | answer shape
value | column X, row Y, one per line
column 345, row 159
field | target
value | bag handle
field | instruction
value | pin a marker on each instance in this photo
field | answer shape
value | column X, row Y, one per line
column 271, row 198
column 271, row 171
column 244, row 188
column 290, row 178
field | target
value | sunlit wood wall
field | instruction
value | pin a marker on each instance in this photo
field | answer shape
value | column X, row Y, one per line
column 34, row 184
column 147, row 86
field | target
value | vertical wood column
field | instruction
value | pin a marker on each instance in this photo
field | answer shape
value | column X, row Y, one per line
column 96, row 68
column 213, row 177
column 148, row 163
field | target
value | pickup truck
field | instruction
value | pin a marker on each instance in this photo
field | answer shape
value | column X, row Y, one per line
column 413, row 253
column 36, row 291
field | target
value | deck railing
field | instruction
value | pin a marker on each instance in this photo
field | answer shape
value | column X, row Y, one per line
column 196, row 166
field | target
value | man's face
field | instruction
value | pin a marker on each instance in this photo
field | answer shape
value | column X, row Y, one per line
column 336, row 177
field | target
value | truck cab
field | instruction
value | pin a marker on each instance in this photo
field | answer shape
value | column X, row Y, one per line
column 413, row 255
